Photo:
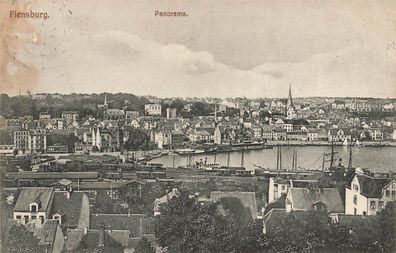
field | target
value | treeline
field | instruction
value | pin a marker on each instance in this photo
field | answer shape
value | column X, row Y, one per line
column 18, row 106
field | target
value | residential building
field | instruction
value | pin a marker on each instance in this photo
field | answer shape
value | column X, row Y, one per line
column 131, row 114
column 277, row 187
column 31, row 141
column 366, row 195
column 39, row 204
column 339, row 134
column 318, row 199
column 152, row 109
column 44, row 115
column 70, row 116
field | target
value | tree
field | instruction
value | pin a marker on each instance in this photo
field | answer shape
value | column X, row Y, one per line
column 21, row 240
column 387, row 223
column 185, row 225
column 301, row 232
column 137, row 139
column 200, row 109
column 144, row 246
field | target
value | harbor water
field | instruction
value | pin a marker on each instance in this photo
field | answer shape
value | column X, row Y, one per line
column 377, row 159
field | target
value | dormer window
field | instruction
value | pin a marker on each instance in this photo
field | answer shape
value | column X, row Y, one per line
column 57, row 217
column 34, row 207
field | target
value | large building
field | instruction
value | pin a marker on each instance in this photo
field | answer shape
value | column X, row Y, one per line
column 152, row 109
column 31, row 141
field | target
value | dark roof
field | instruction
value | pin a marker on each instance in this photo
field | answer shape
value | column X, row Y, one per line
column 372, row 187
column 304, row 198
column 278, row 204
column 73, row 239
column 273, row 219
column 70, row 208
column 28, row 195
column 47, row 232
column 137, row 224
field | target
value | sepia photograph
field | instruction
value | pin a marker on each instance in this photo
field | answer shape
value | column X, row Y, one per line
column 182, row 126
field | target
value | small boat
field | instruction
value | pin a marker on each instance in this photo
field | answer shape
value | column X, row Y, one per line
column 188, row 151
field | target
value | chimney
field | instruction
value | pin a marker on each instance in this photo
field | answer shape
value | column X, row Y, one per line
column 69, row 192
column 101, row 236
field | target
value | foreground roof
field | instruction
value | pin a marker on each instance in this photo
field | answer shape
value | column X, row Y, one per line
column 28, row 195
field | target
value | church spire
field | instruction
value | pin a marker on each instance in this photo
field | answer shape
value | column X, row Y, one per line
column 290, row 99
column 290, row 109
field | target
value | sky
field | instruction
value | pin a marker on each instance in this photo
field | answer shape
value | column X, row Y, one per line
column 221, row 49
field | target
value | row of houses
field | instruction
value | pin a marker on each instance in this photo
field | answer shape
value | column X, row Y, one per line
column 63, row 222
column 361, row 195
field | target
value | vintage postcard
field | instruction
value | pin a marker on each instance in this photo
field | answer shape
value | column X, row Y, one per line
column 257, row 126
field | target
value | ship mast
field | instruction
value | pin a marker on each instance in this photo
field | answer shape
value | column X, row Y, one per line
column 332, row 153
column 350, row 157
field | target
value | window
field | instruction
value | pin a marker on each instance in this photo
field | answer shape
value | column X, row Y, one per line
column 34, row 217
column 283, row 187
column 381, row 205
column 26, row 218
column 33, row 208
column 41, row 219
column 372, row 205
column 387, row 193
column 18, row 217
column 393, row 194
column 356, row 187
column 355, row 200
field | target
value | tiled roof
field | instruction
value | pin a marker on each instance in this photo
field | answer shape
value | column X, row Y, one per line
column 137, row 224
column 40, row 195
column 304, row 198
column 70, row 208
column 248, row 199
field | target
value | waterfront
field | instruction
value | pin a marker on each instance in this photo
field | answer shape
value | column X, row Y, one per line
column 378, row 159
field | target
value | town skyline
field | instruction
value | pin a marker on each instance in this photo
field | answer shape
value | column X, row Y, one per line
column 254, row 51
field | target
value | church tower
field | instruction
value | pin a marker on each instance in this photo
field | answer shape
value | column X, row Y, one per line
column 290, row 109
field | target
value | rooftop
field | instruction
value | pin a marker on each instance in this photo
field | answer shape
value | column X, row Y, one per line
column 28, row 195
